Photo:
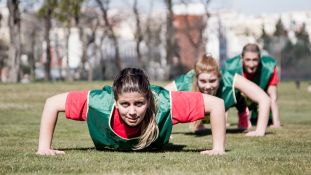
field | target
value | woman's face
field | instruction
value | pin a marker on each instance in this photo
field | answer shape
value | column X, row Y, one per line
column 132, row 107
column 251, row 62
column 208, row 83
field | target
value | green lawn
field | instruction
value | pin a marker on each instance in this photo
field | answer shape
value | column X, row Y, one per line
column 281, row 151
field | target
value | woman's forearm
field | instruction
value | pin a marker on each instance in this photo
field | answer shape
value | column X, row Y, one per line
column 263, row 115
column 215, row 107
column 272, row 91
column 275, row 113
column 52, row 106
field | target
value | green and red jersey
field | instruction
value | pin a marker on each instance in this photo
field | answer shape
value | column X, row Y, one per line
column 226, row 90
column 265, row 76
column 108, row 130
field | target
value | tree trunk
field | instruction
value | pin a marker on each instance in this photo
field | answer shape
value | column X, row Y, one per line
column 32, row 55
column 93, row 40
column 59, row 59
column 110, row 32
column 68, row 73
column 138, row 35
column 15, row 41
column 47, row 64
column 84, row 58
column 170, row 34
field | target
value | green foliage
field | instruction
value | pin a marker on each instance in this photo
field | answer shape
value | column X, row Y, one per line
column 48, row 7
column 293, row 55
column 265, row 38
column 296, row 56
column 279, row 29
column 69, row 9
column 62, row 10
column 303, row 45
column 281, row 151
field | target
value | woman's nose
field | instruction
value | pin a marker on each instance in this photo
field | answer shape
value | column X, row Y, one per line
column 252, row 64
column 208, row 86
column 132, row 110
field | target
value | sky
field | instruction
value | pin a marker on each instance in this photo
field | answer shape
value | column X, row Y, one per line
column 244, row 6
column 262, row 6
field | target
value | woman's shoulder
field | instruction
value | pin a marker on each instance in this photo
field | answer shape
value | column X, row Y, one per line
column 106, row 93
column 160, row 94
column 158, row 89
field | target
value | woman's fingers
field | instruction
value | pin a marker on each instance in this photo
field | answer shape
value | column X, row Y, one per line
column 49, row 152
column 212, row 152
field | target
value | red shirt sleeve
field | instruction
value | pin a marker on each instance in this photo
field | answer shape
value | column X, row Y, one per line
column 76, row 105
column 274, row 80
column 187, row 106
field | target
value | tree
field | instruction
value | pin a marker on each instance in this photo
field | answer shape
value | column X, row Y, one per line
column 279, row 40
column 46, row 12
column 265, row 39
column 88, row 38
column 32, row 37
column 15, row 40
column 170, row 33
column 303, row 42
column 296, row 56
column 69, row 13
column 172, row 49
column 138, row 33
column 194, row 27
column 3, row 55
column 104, row 7
column 279, row 29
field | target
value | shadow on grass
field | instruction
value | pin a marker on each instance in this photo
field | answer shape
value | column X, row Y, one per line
column 180, row 148
column 167, row 148
column 207, row 131
column 77, row 149
column 270, row 133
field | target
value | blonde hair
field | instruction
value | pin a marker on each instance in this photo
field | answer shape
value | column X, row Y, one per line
column 205, row 64
column 135, row 80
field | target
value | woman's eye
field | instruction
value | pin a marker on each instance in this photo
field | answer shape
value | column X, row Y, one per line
column 139, row 104
column 124, row 105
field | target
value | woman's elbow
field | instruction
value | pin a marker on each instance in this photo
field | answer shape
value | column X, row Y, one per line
column 54, row 103
column 273, row 99
column 49, row 101
column 265, row 100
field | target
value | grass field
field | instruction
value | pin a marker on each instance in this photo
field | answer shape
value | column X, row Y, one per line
column 281, row 151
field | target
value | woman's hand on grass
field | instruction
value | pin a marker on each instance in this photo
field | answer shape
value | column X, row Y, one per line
column 255, row 134
column 276, row 126
column 49, row 152
column 213, row 152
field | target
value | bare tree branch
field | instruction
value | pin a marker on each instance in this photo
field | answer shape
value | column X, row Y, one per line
column 104, row 7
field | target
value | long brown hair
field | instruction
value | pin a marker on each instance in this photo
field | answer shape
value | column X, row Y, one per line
column 205, row 64
column 135, row 80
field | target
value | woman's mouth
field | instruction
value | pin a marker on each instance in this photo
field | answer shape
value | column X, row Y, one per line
column 132, row 119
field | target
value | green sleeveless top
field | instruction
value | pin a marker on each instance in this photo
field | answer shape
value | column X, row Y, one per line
column 264, row 72
column 225, row 91
column 99, row 116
